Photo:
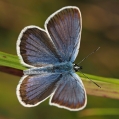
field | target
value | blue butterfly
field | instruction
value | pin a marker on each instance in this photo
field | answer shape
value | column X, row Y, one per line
column 50, row 54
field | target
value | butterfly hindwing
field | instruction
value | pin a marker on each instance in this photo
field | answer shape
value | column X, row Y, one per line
column 34, row 89
column 35, row 48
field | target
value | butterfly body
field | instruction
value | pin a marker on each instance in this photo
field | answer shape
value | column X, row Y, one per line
column 63, row 67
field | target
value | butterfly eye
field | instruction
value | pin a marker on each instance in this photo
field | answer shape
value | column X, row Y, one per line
column 77, row 68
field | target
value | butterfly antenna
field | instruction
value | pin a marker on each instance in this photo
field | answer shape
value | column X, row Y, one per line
column 91, row 80
column 89, row 55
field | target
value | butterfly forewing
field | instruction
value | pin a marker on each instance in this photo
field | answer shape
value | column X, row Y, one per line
column 34, row 89
column 70, row 93
column 64, row 28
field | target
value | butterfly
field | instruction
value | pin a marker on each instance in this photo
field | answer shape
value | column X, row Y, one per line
column 50, row 54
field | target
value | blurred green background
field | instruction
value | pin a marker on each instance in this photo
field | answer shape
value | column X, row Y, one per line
column 100, row 23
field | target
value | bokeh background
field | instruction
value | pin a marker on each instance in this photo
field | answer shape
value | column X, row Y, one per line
column 100, row 27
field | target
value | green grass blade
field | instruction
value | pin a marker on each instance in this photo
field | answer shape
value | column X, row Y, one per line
column 109, row 86
column 10, row 60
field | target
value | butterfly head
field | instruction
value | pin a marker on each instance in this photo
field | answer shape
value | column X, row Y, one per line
column 77, row 67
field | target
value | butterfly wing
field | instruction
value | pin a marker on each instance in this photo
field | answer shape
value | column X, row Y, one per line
column 70, row 93
column 35, row 48
column 64, row 28
column 34, row 89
